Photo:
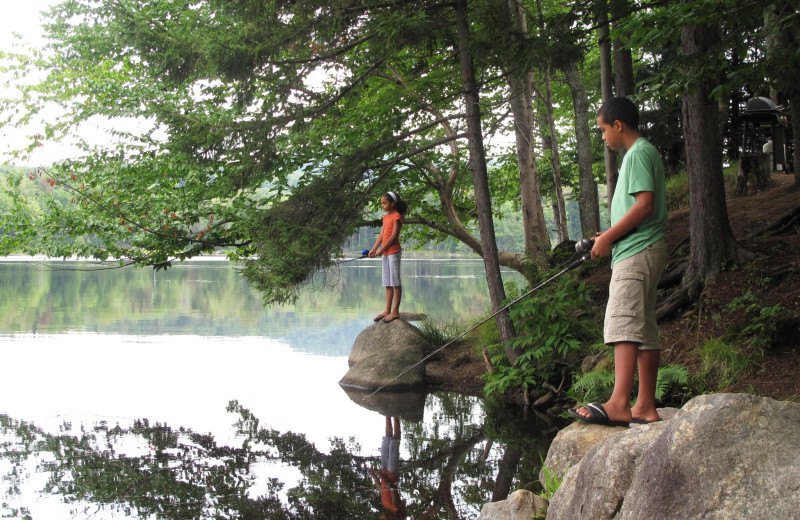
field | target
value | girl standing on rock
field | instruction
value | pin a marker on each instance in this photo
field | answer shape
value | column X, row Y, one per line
column 387, row 245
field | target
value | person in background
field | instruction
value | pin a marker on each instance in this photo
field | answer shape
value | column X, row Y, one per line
column 387, row 246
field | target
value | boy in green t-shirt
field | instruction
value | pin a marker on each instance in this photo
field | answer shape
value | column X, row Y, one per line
column 638, row 252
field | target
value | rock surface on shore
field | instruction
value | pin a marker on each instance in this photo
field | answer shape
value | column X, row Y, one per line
column 721, row 456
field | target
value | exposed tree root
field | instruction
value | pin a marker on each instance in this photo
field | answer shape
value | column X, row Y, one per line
column 779, row 225
column 684, row 294
column 781, row 271
column 674, row 276
column 689, row 292
column 678, row 245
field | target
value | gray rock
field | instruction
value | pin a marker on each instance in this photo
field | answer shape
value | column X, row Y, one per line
column 722, row 456
column 382, row 352
column 520, row 505
column 572, row 443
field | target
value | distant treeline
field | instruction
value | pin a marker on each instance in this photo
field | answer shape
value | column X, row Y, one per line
column 508, row 223
column 508, row 231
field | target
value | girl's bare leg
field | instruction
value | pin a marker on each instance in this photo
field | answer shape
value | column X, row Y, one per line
column 398, row 293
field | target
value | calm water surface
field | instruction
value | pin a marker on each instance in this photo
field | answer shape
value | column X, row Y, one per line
column 128, row 393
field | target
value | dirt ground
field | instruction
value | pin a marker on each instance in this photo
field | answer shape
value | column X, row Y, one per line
column 772, row 278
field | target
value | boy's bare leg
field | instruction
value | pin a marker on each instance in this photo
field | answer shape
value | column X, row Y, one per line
column 618, row 407
column 388, row 426
column 396, row 423
column 645, row 407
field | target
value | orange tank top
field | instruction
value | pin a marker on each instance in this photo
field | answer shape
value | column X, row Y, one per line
column 390, row 220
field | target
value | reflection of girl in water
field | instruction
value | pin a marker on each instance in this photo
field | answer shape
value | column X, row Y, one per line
column 387, row 478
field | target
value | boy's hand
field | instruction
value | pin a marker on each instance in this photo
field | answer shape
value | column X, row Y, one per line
column 601, row 246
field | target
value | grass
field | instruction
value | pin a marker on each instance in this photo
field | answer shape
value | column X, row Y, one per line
column 439, row 333
column 722, row 363
column 677, row 186
column 677, row 191
column 551, row 483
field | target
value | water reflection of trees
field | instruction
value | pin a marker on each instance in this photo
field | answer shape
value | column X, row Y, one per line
column 211, row 299
column 154, row 470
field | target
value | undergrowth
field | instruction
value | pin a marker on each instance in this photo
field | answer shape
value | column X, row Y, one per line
column 598, row 385
column 553, row 328
column 439, row 332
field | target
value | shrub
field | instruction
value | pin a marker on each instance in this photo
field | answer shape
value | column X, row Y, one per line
column 549, row 336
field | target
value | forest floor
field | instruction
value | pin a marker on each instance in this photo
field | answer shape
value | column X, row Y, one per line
column 768, row 281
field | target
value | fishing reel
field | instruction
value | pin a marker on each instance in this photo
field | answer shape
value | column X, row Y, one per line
column 365, row 252
column 584, row 246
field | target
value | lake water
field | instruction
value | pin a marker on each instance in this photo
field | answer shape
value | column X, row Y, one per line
column 129, row 393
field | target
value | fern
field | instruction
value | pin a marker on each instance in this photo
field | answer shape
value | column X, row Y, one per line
column 594, row 386
column 670, row 375
column 597, row 386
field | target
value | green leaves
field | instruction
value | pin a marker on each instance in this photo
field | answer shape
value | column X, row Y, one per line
column 548, row 336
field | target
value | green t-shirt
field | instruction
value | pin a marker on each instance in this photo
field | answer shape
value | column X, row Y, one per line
column 641, row 170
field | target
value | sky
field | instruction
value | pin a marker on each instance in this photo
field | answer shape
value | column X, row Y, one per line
column 23, row 17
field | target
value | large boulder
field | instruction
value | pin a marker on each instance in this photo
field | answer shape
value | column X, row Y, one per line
column 387, row 354
column 520, row 505
column 722, row 456
column 572, row 443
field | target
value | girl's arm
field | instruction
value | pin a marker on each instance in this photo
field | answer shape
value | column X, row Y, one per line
column 374, row 251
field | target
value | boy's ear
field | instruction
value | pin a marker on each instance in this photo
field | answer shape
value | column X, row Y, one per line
column 619, row 125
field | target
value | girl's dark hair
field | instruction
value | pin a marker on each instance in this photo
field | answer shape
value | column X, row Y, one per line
column 399, row 204
column 619, row 109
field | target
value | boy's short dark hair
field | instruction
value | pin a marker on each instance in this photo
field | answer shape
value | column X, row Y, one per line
column 619, row 109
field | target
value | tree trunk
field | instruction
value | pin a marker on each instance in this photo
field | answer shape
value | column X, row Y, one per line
column 753, row 174
column 559, row 212
column 480, row 177
column 794, row 101
column 623, row 61
column 587, row 194
column 506, row 470
column 779, row 38
column 536, row 237
column 445, row 184
column 606, row 88
column 710, row 233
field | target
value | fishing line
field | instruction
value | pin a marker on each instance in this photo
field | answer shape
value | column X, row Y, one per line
column 574, row 264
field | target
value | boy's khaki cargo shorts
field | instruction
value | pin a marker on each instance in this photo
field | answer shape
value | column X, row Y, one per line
column 631, row 309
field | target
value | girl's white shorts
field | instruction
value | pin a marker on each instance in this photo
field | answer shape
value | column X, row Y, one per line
column 391, row 270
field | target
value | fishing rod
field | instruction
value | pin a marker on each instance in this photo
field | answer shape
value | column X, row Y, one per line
column 583, row 248
column 364, row 254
